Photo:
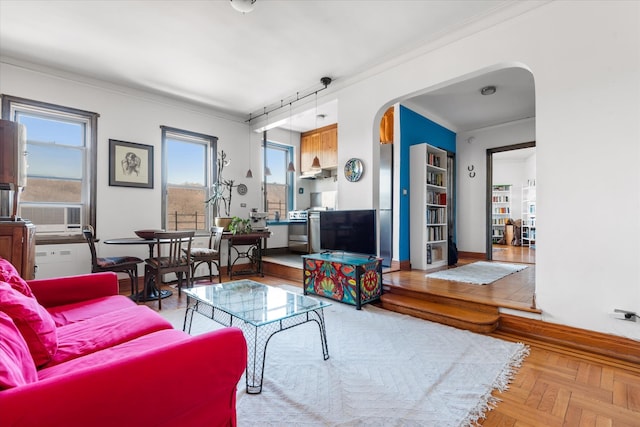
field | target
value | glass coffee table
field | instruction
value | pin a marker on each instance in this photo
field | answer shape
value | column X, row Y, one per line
column 260, row 311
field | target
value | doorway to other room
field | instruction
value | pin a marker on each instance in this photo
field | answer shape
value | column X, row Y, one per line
column 511, row 203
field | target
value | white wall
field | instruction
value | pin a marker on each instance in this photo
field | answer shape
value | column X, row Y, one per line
column 136, row 117
column 585, row 58
column 471, row 192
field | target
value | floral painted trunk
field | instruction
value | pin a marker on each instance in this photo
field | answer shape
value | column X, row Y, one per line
column 349, row 278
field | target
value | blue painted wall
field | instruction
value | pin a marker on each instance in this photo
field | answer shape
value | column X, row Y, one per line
column 416, row 129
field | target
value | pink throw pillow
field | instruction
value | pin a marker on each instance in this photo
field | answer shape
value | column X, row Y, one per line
column 34, row 323
column 9, row 274
column 16, row 364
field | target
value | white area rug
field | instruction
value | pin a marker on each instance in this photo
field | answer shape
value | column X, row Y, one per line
column 478, row 273
column 385, row 369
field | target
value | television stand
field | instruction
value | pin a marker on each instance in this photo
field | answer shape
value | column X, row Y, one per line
column 353, row 279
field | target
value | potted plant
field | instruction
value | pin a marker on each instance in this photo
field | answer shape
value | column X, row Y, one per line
column 221, row 192
column 240, row 226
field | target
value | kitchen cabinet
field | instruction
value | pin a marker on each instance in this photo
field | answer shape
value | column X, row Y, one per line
column 321, row 143
column 18, row 246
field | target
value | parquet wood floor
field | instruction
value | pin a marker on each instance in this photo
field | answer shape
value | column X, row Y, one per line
column 555, row 386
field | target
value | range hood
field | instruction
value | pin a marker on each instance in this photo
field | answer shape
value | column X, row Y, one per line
column 318, row 174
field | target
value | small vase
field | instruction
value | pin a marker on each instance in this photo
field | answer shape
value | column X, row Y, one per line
column 222, row 221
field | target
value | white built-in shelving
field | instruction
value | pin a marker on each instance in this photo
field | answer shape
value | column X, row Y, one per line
column 529, row 215
column 429, row 227
column 500, row 210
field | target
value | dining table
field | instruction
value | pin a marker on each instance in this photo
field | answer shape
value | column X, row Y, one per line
column 150, row 290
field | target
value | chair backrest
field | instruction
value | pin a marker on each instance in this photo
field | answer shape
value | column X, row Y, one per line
column 172, row 246
column 90, row 237
column 216, row 238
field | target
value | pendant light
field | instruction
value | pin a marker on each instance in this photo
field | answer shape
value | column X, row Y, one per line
column 249, row 173
column 315, row 166
column 242, row 6
column 291, row 167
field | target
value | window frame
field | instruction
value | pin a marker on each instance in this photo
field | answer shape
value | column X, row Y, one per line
column 210, row 174
column 13, row 104
column 289, row 175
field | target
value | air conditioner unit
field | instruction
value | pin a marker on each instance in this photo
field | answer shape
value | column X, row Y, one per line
column 54, row 219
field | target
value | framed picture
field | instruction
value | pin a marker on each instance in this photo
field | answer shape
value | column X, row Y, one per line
column 130, row 164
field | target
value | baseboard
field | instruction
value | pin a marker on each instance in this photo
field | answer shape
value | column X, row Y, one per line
column 610, row 346
column 472, row 255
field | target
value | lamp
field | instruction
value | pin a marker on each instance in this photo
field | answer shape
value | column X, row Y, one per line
column 249, row 173
column 315, row 165
column 291, row 167
column 242, row 6
column 267, row 171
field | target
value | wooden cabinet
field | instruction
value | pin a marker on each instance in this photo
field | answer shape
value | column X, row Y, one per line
column 18, row 246
column 329, row 147
column 309, row 148
column 321, row 143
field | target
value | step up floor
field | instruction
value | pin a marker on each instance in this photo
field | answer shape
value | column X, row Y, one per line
column 442, row 312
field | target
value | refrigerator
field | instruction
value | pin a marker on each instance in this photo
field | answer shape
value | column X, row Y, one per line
column 386, row 204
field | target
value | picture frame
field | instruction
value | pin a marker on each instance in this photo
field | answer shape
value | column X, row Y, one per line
column 130, row 164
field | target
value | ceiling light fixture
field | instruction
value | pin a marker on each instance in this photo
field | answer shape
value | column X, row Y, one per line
column 291, row 167
column 488, row 90
column 315, row 165
column 325, row 81
column 242, row 6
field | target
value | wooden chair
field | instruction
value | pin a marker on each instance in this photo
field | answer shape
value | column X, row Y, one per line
column 173, row 249
column 122, row 264
column 209, row 255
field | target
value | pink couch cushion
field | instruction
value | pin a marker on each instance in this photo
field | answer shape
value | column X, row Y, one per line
column 16, row 364
column 83, row 310
column 127, row 350
column 34, row 323
column 109, row 329
column 9, row 274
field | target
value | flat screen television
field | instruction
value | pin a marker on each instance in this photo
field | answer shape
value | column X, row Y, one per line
column 349, row 231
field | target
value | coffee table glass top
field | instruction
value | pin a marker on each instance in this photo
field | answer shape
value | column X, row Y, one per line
column 254, row 302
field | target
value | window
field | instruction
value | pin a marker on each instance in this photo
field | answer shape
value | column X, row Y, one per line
column 187, row 176
column 278, row 179
column 61, row 144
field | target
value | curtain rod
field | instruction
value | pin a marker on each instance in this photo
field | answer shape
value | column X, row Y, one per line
column 326, row 81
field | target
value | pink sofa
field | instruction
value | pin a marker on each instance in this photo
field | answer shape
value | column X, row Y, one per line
column 75, row 353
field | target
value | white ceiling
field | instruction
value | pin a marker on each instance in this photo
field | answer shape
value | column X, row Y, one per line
column 207, row 53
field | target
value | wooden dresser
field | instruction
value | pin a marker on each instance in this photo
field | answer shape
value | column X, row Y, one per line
column 18, row 246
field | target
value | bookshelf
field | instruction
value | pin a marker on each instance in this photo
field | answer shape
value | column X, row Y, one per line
column 500, row 210
column 529, row 216
column 428, row 192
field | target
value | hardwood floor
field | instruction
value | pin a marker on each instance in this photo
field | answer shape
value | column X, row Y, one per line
column 555, row 386
column 515, row 291
column 508, row 253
